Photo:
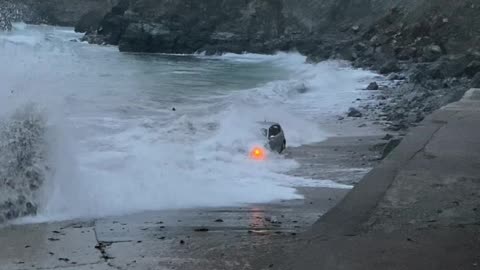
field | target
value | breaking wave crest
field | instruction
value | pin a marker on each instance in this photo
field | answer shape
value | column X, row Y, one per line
column 23, row 161
column 102, row 138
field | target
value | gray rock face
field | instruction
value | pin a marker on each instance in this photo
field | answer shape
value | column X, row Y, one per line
column 472, row 68
column 190, row 26
column 432, row 53
column 55, row 12
column 372, row 34
column 476, row 81
column 90, row 21
column 389, row 67
column 352, row 112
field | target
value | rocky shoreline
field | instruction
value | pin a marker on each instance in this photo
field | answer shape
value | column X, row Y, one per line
column 427, row 50
column 417, row 47
column 428, row 53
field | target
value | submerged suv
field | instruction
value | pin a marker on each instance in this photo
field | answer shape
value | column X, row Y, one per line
column 275, row 136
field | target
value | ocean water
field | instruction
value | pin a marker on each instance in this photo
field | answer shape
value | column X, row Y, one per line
column 111, row 143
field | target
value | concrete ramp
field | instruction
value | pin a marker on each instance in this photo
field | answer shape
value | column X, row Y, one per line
column 419, row 209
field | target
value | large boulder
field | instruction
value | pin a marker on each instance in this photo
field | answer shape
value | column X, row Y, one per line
column 431, row 53
column 476, row 81
column 90, row 21
column 472, row 68
column 353, row 112
column 112, row 28
column 372, row 86
column 447, row 67
column 389, row 67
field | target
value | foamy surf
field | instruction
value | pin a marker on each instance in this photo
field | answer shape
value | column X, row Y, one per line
column 115, row 145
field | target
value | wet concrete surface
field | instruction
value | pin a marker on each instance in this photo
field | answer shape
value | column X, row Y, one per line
column 210, row 238
column 418, row 209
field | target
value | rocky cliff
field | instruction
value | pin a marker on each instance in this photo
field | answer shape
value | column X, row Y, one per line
column 55, row 12
column 430, row 46
column 308, row 25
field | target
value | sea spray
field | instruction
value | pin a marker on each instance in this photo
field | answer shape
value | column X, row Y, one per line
column 113, row 145
column 23, row 155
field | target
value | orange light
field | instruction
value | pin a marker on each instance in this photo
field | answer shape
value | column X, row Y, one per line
column 258, row 153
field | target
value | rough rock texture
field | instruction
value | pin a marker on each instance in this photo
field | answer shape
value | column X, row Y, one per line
column 404, row 29
column 372, row 86
column 423, row 43
column 55, row 12
column 189, row 26
column 476, row 81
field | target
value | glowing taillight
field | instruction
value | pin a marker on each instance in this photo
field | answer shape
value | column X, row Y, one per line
column 258, row 153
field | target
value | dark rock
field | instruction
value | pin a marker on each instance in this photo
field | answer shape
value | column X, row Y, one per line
column 219, row 220
column 417, row 74
column 391, row 145
column 360, row 47
column 476, row 81
column 431, row 53
column 387, row 137
column 352, row 112
column 111, row 29
column 90, row 21
column 472, row 68
column 201, row 230
column 121, row 7
column 395, row 77
column 372, row 86
column 407, row 53
column 152, row 37
column 398, row 125
column 390, row 67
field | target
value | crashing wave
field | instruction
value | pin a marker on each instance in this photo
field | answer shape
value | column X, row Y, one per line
column 5, row 23
column 23, row 165
column 11, row 11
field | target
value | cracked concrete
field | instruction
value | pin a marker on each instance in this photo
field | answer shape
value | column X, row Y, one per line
column 48, row 246
column 419, row 209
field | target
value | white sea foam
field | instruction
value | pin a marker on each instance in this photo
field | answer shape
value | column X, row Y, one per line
column 117, row 147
